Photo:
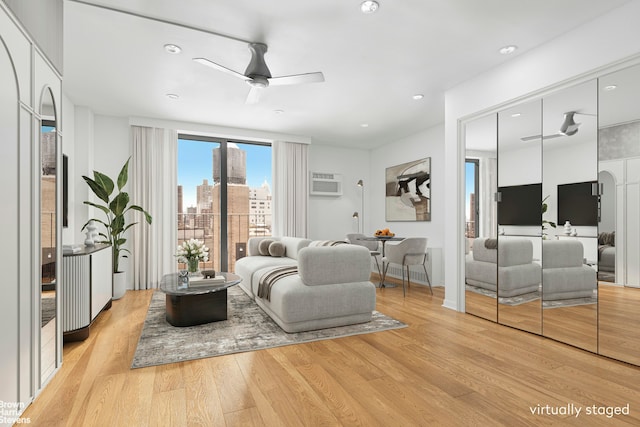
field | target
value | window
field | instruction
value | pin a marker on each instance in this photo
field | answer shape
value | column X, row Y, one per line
column 471, row 198
column 220, row 185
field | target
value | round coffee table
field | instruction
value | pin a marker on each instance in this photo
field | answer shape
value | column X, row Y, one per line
column 195, row 304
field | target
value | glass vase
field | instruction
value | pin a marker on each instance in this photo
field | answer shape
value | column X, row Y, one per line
column 193, row 266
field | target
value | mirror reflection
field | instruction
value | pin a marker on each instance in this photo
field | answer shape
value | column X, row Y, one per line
column 619, row 229
column 48, row 238
column 520, row 216
column 569, row 251
column 481, row 174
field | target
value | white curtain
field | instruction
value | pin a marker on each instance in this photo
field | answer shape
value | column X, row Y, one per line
column 488, row 187
column 290, row 189
column 154, row 187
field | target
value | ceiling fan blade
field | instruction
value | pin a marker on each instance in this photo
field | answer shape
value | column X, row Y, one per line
column 297, row 79
column 208, row 63
column 254, row 95
column 534, row 137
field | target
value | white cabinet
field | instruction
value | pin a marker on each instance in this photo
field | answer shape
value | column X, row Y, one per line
column 87, row 289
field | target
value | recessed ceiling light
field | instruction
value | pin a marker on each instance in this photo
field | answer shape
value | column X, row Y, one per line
column 506, row 50
column 172, row 48
column 369, row 6
column 516, row 114
column 364, row 125
column 418, row 96
column 172, row 96
column 278, row 111
column 610, row 87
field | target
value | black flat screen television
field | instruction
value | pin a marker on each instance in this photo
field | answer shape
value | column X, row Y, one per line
column 520, row 205
column 578, row 203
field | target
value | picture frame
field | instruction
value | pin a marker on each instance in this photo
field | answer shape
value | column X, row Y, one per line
column 408, row 191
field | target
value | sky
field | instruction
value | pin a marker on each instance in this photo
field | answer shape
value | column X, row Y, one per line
column 195, row 163
column 469, row 186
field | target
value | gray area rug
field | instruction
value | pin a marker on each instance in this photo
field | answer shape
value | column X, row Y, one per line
column 532, row 296
column 570, row 302
column 48, row 310
column 247, row 328
column 517, row 300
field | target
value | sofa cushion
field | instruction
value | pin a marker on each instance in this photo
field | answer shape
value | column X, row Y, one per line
column 277, row 249
column 247, row 267
column 482, row 253
column 514, row 252
column 263, row 247
column 334, row 264
column 562, row 253
column 293, row 245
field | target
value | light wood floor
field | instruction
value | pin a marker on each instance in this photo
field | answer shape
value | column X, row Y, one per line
column 445, row 369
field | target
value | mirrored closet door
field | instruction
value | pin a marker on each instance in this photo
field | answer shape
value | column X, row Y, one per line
column 619, row 226
column 48, row 235
column 569, row 184
column 520, row 216
column 481, row 219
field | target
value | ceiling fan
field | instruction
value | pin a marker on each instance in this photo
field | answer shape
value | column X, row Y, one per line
column 569, row 127
column 258, row 76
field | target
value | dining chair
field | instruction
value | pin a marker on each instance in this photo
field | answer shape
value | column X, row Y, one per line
column 358, row 239
column 407, row 252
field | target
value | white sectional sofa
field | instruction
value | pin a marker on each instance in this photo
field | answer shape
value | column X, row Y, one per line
column 331, row 287
column 564, row 274
column 517, row 273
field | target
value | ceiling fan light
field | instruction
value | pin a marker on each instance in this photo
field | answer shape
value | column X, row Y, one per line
column 259, row 82
column 507, row 50
column 569, row 127
column 369, row 6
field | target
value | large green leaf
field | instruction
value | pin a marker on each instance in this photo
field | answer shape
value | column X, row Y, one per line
column 119, row 203
column 117, row 225
column 129, row 226
column 97, row 189
column 139, row 209
column 102, row 208
column 103, row 181
column 123, row 177
column 96, row 220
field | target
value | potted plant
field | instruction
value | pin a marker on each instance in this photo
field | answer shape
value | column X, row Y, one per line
column 544, row 221
column 114, row 209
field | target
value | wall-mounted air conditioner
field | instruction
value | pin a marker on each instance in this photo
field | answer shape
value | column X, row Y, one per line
column 325, row 184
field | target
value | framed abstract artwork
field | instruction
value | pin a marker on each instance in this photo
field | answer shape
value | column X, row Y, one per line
column 408, row 191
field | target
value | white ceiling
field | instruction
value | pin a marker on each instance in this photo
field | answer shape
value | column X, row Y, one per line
column 115, row 63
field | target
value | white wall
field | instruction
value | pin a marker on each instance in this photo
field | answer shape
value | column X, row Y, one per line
column 428, row 143
column 576, row 56
column 331, row 218
column 519, row 167
column 68, row 148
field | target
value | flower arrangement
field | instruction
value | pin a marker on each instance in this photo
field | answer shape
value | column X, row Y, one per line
column 191, row 252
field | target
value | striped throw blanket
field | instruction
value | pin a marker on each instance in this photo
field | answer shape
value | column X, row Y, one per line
column 317, row 243
column 269, row 279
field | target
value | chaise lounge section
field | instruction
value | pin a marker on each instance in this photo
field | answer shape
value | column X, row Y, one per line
column 331, row 287
column 516, row 275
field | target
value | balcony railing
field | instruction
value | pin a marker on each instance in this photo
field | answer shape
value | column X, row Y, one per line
column 206, row 227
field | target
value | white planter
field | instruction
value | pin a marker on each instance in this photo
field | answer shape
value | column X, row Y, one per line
column 119, row 284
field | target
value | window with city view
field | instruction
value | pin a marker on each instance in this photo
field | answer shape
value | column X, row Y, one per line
column 471, row 200
column 223, row 206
